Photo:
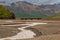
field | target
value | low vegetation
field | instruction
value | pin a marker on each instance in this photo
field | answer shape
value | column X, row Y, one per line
column 55, row 16
column 4, row 12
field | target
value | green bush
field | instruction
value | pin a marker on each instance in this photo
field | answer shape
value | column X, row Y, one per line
column 4, row 12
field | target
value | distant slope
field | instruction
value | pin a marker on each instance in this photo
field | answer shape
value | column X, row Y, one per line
column 23, row 9
column 32, row 14
column 55, row 16
column 5, row 14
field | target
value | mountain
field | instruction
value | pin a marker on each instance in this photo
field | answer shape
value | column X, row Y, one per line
column 6, row 14
column 23, row 5
column 54, row 17
column 23, row 9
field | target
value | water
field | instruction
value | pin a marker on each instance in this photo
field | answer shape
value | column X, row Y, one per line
column 24, row 34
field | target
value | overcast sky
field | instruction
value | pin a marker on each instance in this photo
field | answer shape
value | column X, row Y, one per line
column 34, row 1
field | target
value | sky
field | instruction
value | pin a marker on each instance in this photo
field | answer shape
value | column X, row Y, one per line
column 38, row 2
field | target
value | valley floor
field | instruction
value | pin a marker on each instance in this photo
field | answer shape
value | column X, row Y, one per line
column 38, row 29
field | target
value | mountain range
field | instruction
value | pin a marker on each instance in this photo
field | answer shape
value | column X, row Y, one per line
column 37, row 2
column 23, row 9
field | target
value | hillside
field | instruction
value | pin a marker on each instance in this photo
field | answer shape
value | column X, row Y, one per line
column 5, row 14
column 26, row 6
column 24, row 9
column 55, row 16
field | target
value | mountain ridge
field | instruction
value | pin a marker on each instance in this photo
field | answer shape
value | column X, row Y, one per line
column 24, row 8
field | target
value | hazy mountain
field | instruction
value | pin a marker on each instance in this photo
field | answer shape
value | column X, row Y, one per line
column 25, row 9
column 37, row 2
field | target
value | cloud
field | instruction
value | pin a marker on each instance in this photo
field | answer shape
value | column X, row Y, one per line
column 34, row 1
column 43, row 1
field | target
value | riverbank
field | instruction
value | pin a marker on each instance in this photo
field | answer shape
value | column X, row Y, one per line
column 11, row 26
